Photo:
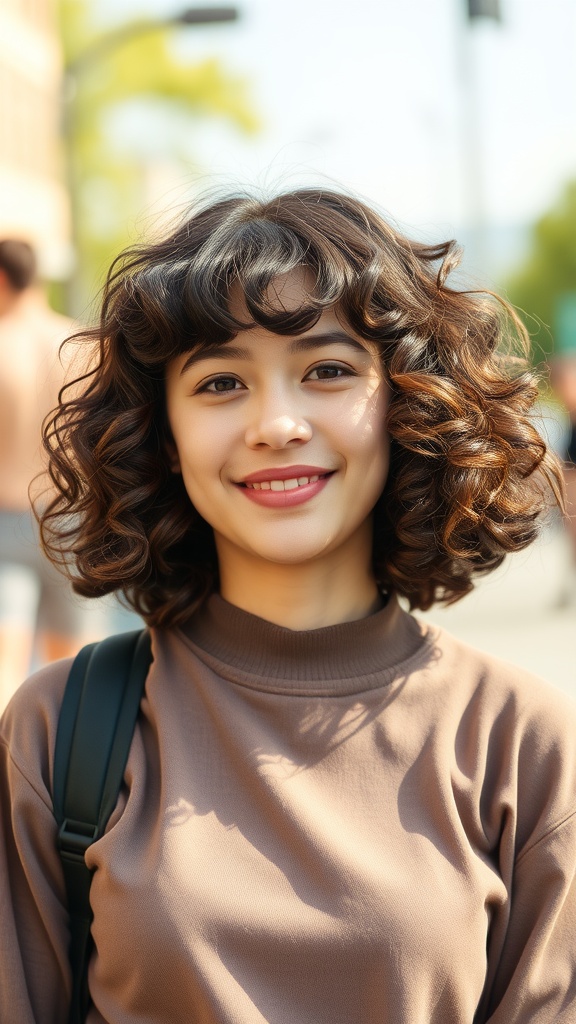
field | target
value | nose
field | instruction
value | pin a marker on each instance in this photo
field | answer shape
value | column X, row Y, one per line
column 276, row 420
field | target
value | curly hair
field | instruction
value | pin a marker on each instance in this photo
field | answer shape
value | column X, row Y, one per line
column 469, row 478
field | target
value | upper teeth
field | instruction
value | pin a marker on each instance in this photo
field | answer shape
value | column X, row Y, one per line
column 283, row 485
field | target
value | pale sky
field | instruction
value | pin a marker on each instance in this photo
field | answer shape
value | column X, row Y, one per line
column 380, row 96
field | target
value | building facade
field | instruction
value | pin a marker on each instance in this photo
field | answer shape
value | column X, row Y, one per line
column 33, row 198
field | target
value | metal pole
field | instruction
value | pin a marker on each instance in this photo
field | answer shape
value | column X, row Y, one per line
column 471, row 128
column 472, row 151
column 484, row 9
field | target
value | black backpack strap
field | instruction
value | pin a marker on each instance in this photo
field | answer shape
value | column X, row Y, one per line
column 95, row 730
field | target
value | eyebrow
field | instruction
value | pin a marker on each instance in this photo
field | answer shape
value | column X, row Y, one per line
column 310, row 341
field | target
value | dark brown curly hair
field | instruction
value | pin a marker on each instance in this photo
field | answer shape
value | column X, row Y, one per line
column 470, row 475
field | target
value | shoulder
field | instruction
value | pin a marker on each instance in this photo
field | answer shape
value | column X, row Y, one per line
column 56, row 328
column 493, row 682
column 515, row 729
column 29, row 723
column 489, row 702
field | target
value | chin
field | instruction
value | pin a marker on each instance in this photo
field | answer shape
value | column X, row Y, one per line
column 292, row 554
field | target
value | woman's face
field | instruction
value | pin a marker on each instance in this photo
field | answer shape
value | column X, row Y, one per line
column 280, row 440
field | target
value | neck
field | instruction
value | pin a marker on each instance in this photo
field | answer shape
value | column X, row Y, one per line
column 13, row 303
column 300, row 597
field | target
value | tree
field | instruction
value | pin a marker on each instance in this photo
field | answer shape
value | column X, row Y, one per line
column 102, row 176
column 548, row 273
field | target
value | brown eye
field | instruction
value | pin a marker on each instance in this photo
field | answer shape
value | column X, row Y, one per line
column 220, row 385
column 329, row 371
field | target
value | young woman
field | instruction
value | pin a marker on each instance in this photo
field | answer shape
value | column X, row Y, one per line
column 333, row 813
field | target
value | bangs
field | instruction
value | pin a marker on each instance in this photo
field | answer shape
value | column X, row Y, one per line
column 239, row 255
column 184, row 292
column 243, row 261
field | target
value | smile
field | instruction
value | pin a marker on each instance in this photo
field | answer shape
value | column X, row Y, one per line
column 283, row 485
column 282, row 494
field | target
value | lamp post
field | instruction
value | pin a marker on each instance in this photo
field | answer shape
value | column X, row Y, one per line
column 471, row 129
column 484, row 9
column 90, row 56
column 112, row 40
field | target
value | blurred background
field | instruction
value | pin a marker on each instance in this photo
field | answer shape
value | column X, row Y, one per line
column 456, row 117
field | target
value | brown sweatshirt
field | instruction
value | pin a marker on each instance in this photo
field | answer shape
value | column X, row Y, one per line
column 369, row 823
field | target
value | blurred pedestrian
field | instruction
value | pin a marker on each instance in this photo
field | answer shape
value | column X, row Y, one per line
column 37, row 607
column 563, row 379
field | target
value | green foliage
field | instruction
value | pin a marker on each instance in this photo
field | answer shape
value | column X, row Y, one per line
column 548, row 272
column 134, row 63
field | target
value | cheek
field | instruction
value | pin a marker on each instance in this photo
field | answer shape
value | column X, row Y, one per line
column 368, row 439
column 201, row 484
column 204, row 449
column 201, row 445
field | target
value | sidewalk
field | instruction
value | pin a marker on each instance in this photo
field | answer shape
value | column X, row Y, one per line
column 513, row 612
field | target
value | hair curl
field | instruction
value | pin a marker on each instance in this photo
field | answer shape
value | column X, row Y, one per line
column 469, row 477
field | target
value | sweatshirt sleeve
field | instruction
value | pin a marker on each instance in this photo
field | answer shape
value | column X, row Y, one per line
column 34, row 972
column 534, row 973
column 536, row 977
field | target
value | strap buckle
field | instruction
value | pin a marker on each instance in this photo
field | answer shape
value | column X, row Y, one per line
column 74, row 838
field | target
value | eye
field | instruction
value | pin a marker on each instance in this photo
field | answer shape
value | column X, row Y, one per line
column 329, row 371
column 219, row 385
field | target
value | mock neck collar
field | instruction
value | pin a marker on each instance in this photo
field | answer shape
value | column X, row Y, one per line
column 337, row 659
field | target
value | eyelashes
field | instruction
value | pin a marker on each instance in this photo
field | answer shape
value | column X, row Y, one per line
column 223, row 383
column 330, row 371
column 218, row 385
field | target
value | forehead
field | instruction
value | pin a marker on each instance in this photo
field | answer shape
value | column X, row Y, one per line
column 287, row 292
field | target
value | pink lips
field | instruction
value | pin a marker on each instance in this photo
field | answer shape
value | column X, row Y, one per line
column 301, row 488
